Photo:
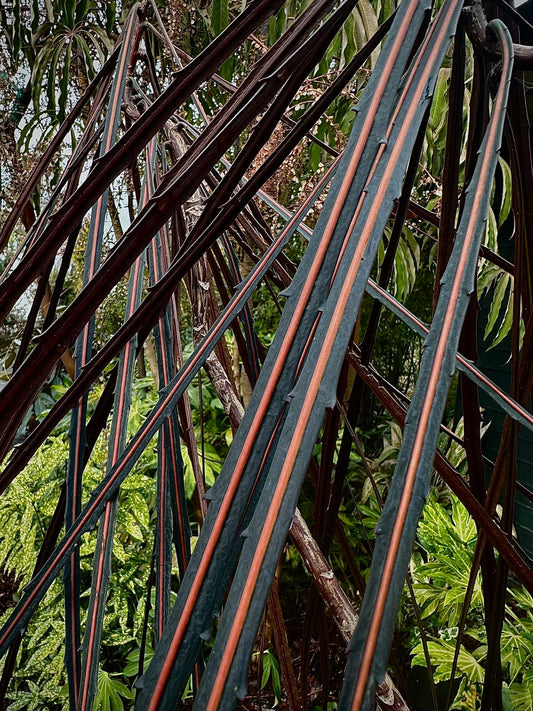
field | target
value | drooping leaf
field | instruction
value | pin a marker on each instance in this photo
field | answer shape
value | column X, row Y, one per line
column 219, row 15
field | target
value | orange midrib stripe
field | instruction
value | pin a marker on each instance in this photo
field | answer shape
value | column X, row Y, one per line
column 519, row 410
column 106, row 520
column 405, row 500
column 277, row 498
column 92, row 622
column 158, row 690
column 161, row 561
column 233, row 638
column 218, row 525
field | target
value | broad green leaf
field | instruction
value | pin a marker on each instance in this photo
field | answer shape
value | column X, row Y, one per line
column 464, row 526
column 111, row 693
column 522, row 693
column 491, row 234
column 439, row 107
column 442, row 654
column 369, row 20
column 507, row 187
column 500, row 303
column 219, row 16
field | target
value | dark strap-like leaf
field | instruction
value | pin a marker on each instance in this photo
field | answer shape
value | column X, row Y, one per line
column 395, row 533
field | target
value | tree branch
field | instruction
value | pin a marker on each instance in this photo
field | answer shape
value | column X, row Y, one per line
column 387, row 695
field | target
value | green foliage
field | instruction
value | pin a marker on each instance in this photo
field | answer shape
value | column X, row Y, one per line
column 62, row 42
column 111, row 693
column 494, row 285
column 219, row 16
column 447, row 537
column 368, row 479
column 59, row 45
column 271, row 673
column 57, row 40
column 212, row 418
column 519, row 695
column 442, row 653
column 500, row 316
column 27, row 506
column 39, row 679
column 26, row 509
column 407, row 261
column 440, row 533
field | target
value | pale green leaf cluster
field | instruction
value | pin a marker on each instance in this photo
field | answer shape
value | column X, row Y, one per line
column 111, row 693
column 28, row 504
column 440, row 572
column 26, row 509
column 492, row 281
